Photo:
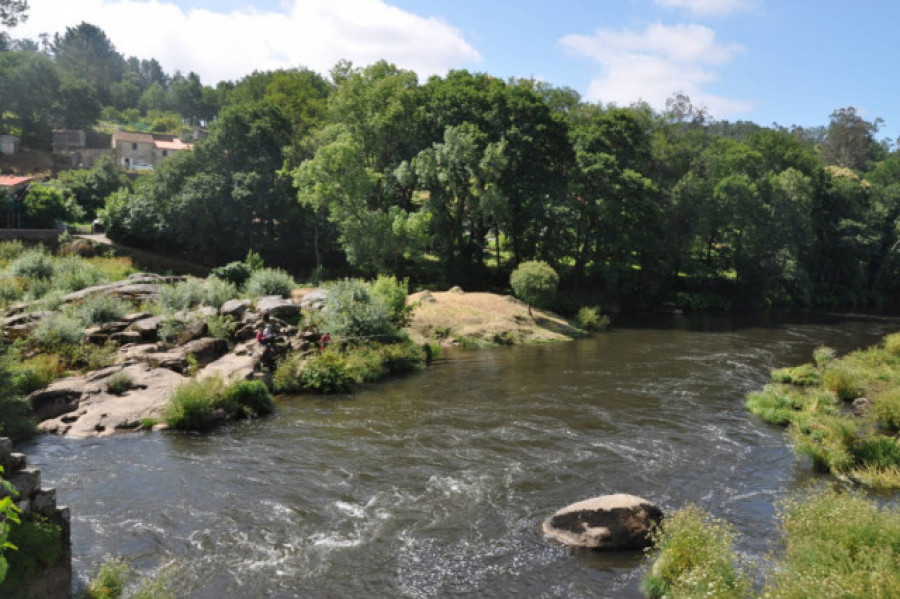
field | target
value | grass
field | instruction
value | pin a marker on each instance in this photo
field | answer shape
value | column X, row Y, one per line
column 198, row 405
column 840, row 545
column 812, row 401
column 695, row 558
column 835, row 544
column 338, row 371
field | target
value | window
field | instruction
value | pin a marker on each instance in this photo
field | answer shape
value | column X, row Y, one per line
column 134, row 146
column 165, row 153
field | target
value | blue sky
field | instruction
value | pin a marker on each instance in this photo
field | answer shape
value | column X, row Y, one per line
column 785, row 61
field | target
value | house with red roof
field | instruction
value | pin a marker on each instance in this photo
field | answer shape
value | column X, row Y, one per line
column 144, row 151
column 12, row 191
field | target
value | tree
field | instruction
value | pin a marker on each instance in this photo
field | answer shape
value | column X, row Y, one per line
column 44, row 207
column 535, row 283
column 850, row 141
column 84, row 52
column 12, row 12
column 461, row 176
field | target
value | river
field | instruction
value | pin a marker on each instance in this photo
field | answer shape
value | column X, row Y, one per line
column 435, row 485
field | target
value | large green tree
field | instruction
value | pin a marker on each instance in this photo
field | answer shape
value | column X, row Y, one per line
column 84, row 52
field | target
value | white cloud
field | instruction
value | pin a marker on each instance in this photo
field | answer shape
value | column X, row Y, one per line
column 217, row 46
column 654, row 64
column 707, row 8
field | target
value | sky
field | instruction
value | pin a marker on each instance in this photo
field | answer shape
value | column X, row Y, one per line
column 790, row 62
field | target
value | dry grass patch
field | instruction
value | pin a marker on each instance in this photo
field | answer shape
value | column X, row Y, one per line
column 485, row 318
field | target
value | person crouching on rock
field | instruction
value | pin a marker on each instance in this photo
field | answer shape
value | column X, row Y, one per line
column 266, row 337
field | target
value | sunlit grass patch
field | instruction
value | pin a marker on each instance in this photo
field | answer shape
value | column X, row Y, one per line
column 837, row 545
column 694, row 557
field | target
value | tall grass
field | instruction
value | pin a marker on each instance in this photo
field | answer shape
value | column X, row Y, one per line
column 195, row 404
column 837, row 545
column 811, row 401
column 695, row 558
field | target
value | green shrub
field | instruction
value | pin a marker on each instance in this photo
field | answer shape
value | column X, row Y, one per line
column 109, row 583
column 351, row 312
column 53, row 301
column 33, row 264
column 823, row 355
column 182, row 296
column 220, row 326
column 100, row 308
column 235, row 273
column 535, row 283
column 38, row 544
column 16, row 421
column 838, row 544
column 12, row 289
column 325, row 373
column 287, row 375
column 119, row 383
column 393, row 293
column 74, row 273
column 269, row 281
column 192, row 404
column 218, row 291
column 87, row 356
column 250, row 398
column 10, row 250
column 695, row 558
column 365, row 364
column 57, row 329
column 401, row 358
column 36, row 372
column 590, row 319
column 170, row 328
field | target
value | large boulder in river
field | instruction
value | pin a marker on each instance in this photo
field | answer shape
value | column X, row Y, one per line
column 607, row 522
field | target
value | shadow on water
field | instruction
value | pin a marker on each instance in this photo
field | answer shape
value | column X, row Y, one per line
column 436, row 484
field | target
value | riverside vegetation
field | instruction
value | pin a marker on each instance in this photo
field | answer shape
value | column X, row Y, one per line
column 365, row 321
column 839, row 543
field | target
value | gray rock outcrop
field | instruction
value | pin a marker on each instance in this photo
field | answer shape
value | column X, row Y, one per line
column 607, row 522
column 276, row 306
column 91, row 409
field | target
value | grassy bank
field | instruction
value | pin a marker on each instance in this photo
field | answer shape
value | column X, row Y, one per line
column 835, row 544
column 842, row 413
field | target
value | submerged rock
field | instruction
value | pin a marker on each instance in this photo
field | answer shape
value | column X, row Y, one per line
column 607, row 522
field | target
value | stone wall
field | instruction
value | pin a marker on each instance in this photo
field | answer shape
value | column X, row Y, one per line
column 55, row 581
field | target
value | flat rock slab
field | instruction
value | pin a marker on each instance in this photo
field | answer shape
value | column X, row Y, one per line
column 99, row 413
column 607, row 522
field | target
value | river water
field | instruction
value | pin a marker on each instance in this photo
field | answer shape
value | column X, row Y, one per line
column 435, row 485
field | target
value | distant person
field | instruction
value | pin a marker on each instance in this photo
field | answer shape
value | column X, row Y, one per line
column 324, row 340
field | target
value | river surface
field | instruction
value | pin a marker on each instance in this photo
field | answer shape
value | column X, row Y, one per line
column 435, row 485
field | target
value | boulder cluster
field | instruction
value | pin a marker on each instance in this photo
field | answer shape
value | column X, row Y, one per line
column 97, row 404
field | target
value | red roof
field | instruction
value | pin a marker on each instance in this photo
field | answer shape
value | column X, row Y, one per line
column 12, row 180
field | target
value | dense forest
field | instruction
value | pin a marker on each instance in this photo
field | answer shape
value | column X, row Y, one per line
column 458, row 179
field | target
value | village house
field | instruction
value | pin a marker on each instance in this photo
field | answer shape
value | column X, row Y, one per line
column 11, row 209
column 9, row 144
column 144, row 151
